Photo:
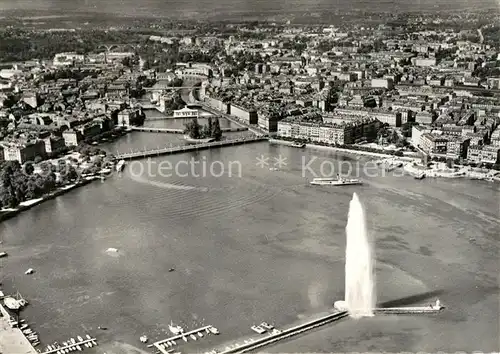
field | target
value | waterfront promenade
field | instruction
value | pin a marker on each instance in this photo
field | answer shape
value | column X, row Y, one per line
column 186, row 148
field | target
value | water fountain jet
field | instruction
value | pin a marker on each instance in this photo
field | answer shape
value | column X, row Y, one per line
column 359, row 275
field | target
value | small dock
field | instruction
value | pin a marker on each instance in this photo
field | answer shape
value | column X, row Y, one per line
column 160, row 345
column 73, row 346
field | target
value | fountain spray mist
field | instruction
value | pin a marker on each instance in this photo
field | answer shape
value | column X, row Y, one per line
column 359, row 276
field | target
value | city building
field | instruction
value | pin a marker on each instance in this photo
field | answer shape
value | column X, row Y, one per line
column 23, row 150
column 248, row 116
column 433, row 144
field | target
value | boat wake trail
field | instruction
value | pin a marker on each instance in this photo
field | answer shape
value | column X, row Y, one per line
column 168, row 185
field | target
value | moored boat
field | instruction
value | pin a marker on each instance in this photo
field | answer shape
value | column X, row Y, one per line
column 298, row 145
column 120, row 165
column 419, row 175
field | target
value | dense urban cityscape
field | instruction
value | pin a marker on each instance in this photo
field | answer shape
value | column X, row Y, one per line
column 417, row 93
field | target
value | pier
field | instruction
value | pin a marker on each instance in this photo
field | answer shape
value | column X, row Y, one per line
column 160, row 344
column 186, row 148
column 277, row 336
column 181, row 131
column 72, row 346
column 408, row 310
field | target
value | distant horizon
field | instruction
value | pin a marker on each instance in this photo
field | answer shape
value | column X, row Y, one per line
column 211, row 8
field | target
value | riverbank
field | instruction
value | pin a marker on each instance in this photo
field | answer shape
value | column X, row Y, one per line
column 8, row 213
column 439, row 169
column 410, row 163
column 407, row 157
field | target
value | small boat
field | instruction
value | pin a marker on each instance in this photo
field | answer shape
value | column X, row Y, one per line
column 143, row 339
column 29, row 271
column 175, row 329
column 214, row 330
column 258, row 329
column 193, row 337
column 298, row 145
column 173, row 342
column 266, row 325
column 419, row 176
column 200, row 334
column 73, row 341
column 120, row 166
column 80, row 339
column 24, row 326
column 184, row 339
column 3, row 254
column 79, row 348
column 88, row 337
column 171, row 270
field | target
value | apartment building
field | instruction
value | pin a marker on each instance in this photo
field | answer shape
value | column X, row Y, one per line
column 487, row 154
column 247, row 115
column 23, row 150
column 433, row 144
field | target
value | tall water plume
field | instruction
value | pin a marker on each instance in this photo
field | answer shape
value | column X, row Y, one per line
column 359, row 276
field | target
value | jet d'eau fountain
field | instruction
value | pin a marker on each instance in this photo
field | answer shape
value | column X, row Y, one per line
column 359, row 275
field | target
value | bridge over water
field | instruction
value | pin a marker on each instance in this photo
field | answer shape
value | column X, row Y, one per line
column 186, row 148
column 181, row 131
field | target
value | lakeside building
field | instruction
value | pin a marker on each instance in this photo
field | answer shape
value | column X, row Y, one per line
column 23, row 150
column 268, row 121
column 128, row 117
column 416, row 133
column 330, row 133
column 217, row 104
column 247, row 115
column 457, row 147
column 430, row 143
column 487, row 154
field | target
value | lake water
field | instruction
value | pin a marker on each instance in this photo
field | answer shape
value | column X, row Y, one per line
column 257, row 246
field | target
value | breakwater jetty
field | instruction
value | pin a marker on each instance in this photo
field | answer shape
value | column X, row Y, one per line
column 186, row 148
column 409, row 310
column 278, row 335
